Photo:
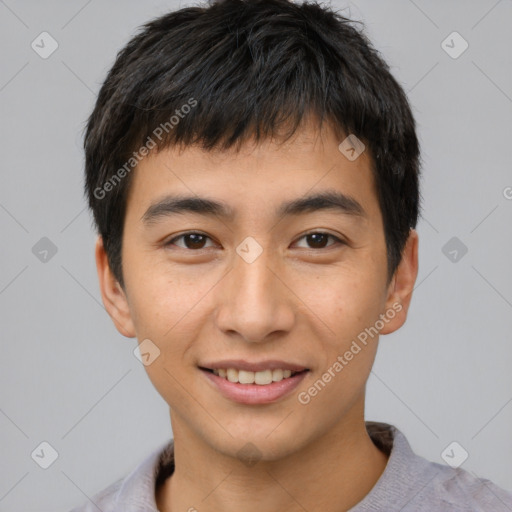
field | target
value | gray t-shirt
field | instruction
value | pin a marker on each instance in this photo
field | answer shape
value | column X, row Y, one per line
column 409, row 483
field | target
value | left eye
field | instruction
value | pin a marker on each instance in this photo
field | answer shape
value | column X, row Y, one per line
column 319, row 239
column 195, row 241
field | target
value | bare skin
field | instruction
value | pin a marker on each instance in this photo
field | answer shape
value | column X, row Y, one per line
column 302, row 301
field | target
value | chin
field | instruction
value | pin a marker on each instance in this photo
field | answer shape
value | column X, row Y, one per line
column 268, row 441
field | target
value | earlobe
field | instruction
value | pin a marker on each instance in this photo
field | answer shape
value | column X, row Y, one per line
column 112, row 294
column 402, row 285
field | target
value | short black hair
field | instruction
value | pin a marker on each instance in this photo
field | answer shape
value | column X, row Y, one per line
column 221, row 74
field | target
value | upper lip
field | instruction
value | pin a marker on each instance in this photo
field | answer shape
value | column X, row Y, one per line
column 256, row 366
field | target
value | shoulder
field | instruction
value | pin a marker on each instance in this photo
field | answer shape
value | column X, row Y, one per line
column 457, row 489
column 104, row 500
column 136, row 488
column 412, row 483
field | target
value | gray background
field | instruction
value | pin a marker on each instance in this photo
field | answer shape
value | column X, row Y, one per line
column 67, row 377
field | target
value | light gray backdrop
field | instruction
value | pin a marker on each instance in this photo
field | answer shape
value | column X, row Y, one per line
column 69, row 379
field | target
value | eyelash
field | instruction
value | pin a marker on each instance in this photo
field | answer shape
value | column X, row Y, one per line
column 335, row 238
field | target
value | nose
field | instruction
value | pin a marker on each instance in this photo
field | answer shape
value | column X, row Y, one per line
column 255, row 302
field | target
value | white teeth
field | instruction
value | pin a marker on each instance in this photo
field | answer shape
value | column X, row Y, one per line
column 264, row 377
column 277, row 375
column 261, row 378
column 232, row 375
column 245, row 377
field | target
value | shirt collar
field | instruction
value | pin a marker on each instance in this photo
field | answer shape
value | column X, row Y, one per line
column 137, row 491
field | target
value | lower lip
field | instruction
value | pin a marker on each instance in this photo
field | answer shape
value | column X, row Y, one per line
column 254, row 393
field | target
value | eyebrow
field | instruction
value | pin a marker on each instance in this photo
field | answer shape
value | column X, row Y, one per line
column 327, row 200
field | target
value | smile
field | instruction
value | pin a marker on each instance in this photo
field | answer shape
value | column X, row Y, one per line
column 261, row 378
column 254, row 384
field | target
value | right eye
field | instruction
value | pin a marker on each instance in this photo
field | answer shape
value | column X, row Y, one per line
column 192, row 240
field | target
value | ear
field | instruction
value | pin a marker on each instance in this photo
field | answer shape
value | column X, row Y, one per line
column 114, row 297
column 401, row 286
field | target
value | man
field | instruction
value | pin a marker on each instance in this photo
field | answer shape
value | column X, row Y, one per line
column 253, row 171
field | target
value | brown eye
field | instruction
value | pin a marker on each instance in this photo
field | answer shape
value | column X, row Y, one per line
column 192, row 241
column 318, row 240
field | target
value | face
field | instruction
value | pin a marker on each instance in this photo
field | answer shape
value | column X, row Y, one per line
column 271, row 272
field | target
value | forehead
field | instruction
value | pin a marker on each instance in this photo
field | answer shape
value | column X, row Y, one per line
column 257, row 176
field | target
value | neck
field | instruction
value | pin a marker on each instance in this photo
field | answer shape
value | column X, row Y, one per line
column 332, row 473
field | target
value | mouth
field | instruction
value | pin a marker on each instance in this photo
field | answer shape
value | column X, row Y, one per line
column 252, row 384
column 260, row 378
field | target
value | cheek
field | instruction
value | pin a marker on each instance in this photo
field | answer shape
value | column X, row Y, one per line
column 338, row 383
column 162, row 312
column 343, row 304
column 158, row 299
column 166, row 308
